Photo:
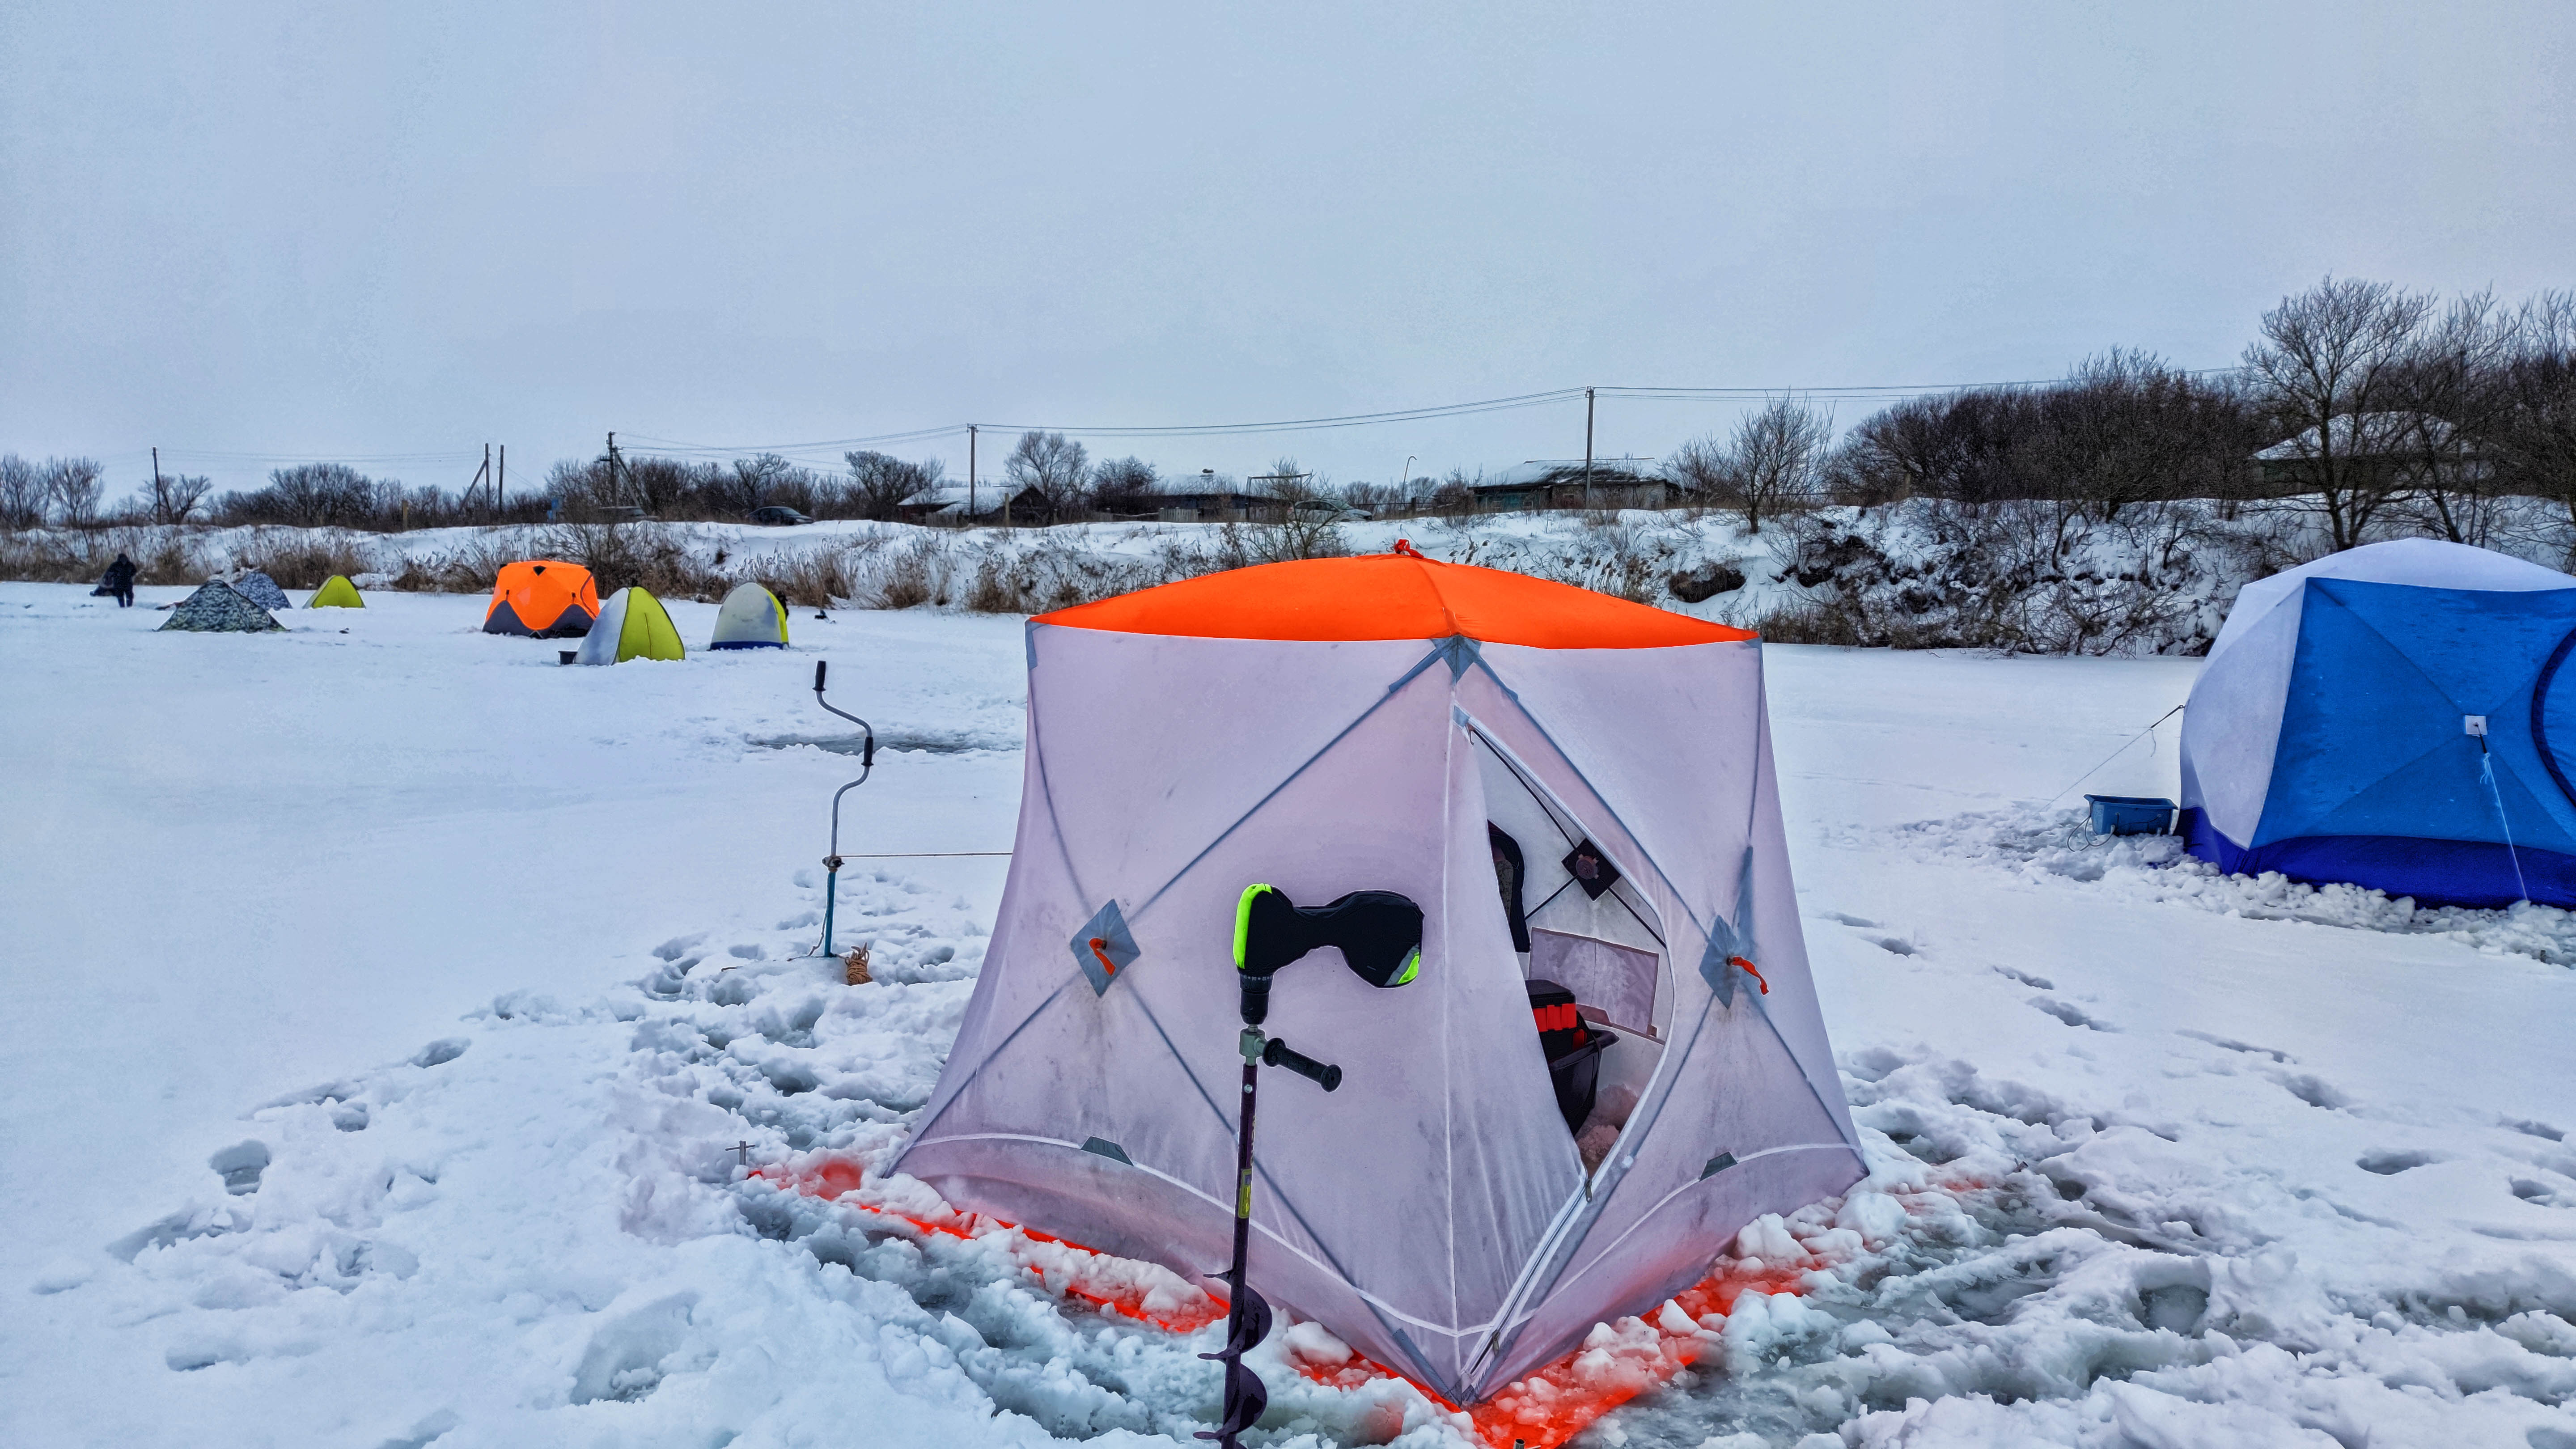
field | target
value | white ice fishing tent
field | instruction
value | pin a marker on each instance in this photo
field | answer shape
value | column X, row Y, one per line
column 751, row 617
column 1384, row 723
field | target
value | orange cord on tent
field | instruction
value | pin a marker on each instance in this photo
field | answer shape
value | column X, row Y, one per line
column 1100, row 953
column 1539, row 1410
column 1749, row 971
column 1404, row 549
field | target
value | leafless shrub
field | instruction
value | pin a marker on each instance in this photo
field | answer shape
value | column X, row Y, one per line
column 819, row 577
column 910, row 576
column 303, row 560
column 473, row 567
column 161, row 556
column 628, row 555
column 1811, row 621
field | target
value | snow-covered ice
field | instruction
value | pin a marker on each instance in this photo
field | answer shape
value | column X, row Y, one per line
column 413, row 1042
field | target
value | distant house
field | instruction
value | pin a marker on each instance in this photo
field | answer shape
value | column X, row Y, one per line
column 2377, row 449
column 984, row 503
column 1566, row 483
column 1207, row 498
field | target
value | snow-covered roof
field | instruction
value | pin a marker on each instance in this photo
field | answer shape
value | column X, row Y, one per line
column 2357, row 434
column 1542, row 470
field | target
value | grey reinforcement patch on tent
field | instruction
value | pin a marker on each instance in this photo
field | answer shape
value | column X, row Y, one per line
column 262, row 590
column 219, row 608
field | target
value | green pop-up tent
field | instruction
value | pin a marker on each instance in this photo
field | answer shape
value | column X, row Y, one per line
column 336, row 593
column 631, row 625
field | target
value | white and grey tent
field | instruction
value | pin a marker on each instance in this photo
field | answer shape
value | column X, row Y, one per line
column 1576, row 790
column 219, row 608
column 751, row 617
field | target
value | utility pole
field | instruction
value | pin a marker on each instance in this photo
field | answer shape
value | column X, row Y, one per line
column 499, row 480
column 970, row 475
column 158, row 505
column 1587, row 447
column 613, row 490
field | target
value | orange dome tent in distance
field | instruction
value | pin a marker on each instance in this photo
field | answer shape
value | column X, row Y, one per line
column 542, row 599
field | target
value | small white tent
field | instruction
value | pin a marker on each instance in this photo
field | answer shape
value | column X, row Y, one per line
column 1388, row 724
column 751, row 617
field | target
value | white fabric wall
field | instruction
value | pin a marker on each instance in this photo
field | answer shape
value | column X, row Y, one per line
column 599, row 646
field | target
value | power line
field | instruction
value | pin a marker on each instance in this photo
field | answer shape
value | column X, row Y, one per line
column 1878, row 392
column 1875, row 392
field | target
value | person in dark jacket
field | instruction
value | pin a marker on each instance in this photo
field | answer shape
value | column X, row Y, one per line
column 120, row 581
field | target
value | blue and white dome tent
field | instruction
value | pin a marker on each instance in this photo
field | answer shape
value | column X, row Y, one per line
column 2400, row 716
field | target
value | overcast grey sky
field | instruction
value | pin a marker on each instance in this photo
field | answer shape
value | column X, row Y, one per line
column 361, row 231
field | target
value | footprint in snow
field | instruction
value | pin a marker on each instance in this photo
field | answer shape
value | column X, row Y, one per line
column 439, row 1053
column 2071, row 1015
column 2233, row 1045
column 241, row 1165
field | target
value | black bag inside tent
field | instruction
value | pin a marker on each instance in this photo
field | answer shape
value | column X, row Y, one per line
column 1573, row 1046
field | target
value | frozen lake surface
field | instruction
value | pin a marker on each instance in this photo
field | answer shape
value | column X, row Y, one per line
column 386, row 1005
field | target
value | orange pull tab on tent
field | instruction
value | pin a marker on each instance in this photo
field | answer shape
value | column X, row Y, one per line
column 1404, row 549
column 1750, row 971
column 1100, row 953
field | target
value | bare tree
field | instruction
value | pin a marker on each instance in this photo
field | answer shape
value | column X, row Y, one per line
column 22, row 493
column 314, row 495
column 1376, row 497
column 73, row 486
column 2534, row 446
column 1123, row 485
column 1773, row 463
column 2451, row 402
column 1051, row 463
column 2330, row 365
column 879, row 482
column 176, row 497
column 750, row 482
column 1291, row 482
column 1701, row 468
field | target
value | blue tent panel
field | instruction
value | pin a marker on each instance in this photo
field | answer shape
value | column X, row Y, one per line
column 2435, row 872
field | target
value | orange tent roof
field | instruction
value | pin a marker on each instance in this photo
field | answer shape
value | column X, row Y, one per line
column 1391, row 596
